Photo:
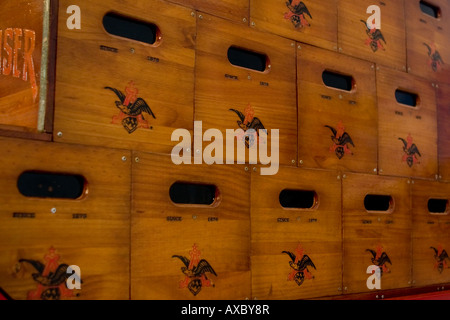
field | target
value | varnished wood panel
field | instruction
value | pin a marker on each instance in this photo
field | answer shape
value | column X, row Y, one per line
column 428, row 42
column 384, row 46
column 236, row 10
column 91, row 232
column 417, row 126
column 380, row 231
column 353, row 114
column 162, row 230
column 269, row 95
column 431, row 233
column 309, row 237
column 312, row 22
column 443, row 116
column 90, row 60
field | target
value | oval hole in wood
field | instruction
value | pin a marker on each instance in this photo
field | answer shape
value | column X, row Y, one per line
column 51, row 185
column 337, row 80
column 247, row 59
column 131, row 28
column 438, row 206
column 430, row 9
column 406, row 98
column 193, row 194
column 298, row 199
column 380, row 203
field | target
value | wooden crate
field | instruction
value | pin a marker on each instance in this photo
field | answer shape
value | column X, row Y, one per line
column 44, row 227
column 431, row 232
column 428, row 42
column 165, row 231
column 117, row 92
column 236, row 10
column 407, row 135
column 307, row 236
column 443, row 115
column 229, row 96
column 26, row 67
column 313, row 22
column 384, row 44
column 337, row 128
column 384, row 227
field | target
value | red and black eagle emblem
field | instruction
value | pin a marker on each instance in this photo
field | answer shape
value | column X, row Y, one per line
column 132, row 109
column 51, row 278
column 375, row 37
column 341, row 141
column 297, row 12
column 299, row 264
column 247, row 121
column 380, row 259
column 411, row 151
column 441, row 257
column 435, row 60
column 195, row 271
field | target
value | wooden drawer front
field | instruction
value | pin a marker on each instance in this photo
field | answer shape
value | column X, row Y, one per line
column 337, row 127
column 69, row 206
column 377, row 231
column 443, row 116
column 257, row 96
column 312, row 22
column 407, row 141
column 296, row 223
column 385, row 43
column 169, row 220
column 118, row 92
column 427, row 41
column 431, row 232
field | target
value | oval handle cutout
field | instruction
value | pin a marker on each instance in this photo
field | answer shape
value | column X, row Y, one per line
column 51, row 185
column 430, row 9
column 193, row 194
column 298, row 199
column 130, row 28
column 406, row 98
column 247, row 59
column 438, row 206
column 337, row 80
column 379, row 203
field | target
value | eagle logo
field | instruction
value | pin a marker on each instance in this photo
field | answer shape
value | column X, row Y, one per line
column 248, row 121
column 296, row 14
column 441, row 257
column 375, row 37
column 195, row 271
column 51, row 278
column 132, row 109
column 380, row 259
column 341, row 141
column 299, row 264
column 435, row 60
column 411, row 151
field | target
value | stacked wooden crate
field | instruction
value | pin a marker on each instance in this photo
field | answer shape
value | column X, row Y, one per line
column 358, row 91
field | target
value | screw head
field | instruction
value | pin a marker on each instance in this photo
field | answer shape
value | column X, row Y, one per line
column 53, row 210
